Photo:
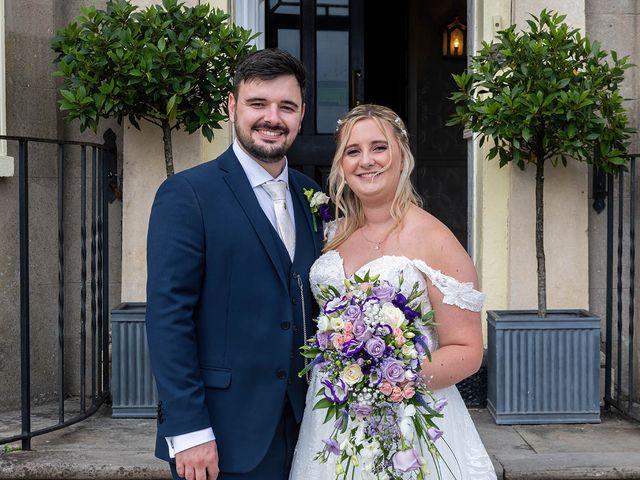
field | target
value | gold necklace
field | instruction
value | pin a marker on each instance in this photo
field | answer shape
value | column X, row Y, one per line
column 377, row 245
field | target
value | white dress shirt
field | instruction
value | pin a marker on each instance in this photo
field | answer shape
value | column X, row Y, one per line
column 257, row 176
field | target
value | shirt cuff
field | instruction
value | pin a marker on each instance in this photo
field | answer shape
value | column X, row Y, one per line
column 183, row 442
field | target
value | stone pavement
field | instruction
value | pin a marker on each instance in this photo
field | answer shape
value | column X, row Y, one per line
column 111, row 449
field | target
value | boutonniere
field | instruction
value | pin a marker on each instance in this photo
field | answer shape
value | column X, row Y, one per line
column 319, row 206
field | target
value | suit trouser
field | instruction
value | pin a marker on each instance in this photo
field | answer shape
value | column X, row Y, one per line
column 277, row 462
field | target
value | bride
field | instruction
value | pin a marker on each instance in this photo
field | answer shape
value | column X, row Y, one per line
column 381, row 228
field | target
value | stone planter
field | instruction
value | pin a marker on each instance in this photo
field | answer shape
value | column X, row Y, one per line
column 543, row 370
column 132, row 385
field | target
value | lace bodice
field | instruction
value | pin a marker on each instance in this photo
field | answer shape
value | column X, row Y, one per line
column 329, row 270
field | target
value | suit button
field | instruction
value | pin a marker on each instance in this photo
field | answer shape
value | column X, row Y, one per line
column 285, row 325
column 281, row 374
column 294, row 300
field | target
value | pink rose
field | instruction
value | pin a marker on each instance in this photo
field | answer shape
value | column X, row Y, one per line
column 386, row 388
column 408, row 391
column 366, row 286
column 348, row 327
column 399, row 336
column 396, row 394
column 347, row 337
column 338, row 341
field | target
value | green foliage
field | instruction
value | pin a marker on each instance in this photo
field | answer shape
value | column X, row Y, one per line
column 546, row 93
column 169, row 64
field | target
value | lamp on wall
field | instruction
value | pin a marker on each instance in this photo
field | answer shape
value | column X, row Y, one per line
column 454, row 40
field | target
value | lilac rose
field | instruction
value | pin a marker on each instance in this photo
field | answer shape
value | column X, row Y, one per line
column 361, row 331
column 393, row 370
column 375, row 347
column 352, row 313
column 384, row 292
column 406, row 461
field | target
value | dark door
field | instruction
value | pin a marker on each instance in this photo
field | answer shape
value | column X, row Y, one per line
column 327, row 35
column 382, row 52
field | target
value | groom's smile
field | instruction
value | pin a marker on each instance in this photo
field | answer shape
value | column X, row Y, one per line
column 267, row 115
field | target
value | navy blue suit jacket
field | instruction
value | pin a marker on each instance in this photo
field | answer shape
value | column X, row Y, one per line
column 224, row 309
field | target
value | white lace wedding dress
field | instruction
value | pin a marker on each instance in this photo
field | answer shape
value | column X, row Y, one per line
column 467, row 457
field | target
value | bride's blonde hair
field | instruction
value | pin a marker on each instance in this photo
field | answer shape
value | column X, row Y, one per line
column 349, row 213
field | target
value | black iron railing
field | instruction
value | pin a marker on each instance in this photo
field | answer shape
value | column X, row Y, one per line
column 620, row 350
column 97, row 160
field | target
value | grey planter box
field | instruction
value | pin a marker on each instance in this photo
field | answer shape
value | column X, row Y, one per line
column 543, row 370
column 132, row 385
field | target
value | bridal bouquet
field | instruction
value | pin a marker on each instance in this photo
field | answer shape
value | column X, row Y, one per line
column 369, row 345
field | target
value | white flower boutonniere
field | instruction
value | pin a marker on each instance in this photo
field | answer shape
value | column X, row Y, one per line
column 319, row 205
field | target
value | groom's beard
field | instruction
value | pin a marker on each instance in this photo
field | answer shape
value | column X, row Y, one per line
column 265, row 153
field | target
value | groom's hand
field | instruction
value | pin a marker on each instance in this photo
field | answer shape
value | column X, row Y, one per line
column 199, row 462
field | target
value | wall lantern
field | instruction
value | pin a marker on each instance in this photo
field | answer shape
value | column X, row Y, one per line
column 454, row 39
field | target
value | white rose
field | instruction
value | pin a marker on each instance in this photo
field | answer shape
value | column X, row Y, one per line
column 392, row 316
column 323, row 323
column 351, row 374
column 337, row 324
column 319, row 198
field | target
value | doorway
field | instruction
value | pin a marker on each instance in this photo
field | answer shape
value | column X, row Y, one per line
column 358, row 51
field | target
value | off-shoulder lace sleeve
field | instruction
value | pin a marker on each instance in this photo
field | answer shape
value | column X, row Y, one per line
column 330, row 229
column 460, row 294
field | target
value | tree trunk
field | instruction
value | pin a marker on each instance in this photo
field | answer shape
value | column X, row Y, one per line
column 542, row 274
column 168, row 149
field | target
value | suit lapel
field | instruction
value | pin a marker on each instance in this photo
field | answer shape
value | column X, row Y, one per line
column 241, row 189
column 298, row 193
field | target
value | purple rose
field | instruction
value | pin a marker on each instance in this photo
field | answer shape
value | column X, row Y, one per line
column 361, row 331
column 336, row 392
column 335, row 304
column 325, row 213
column 434, row 433
column 362, row 410
column 375, row 347
column 331, row 445
column 393, row 370
column 352, row 313
column 323, row 339
column 350, row 348
column 440, row 404
column 406, row 461
column 385, row 292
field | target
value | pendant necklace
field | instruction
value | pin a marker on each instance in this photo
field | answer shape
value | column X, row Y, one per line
column 377, row 245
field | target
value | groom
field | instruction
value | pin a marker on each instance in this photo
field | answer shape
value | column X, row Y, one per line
column 230, row 245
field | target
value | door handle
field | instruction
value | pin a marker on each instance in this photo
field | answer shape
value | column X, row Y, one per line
column 356, row 75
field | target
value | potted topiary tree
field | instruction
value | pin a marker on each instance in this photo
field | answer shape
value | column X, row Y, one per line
column 171, row 65
column 544, row 97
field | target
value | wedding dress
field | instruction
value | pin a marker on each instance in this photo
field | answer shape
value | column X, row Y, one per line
column 466, row 458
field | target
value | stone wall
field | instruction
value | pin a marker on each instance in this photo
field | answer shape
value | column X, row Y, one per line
column 616, row 25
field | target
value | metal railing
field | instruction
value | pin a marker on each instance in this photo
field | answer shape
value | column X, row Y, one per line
column 93, row 337
column 620, row 389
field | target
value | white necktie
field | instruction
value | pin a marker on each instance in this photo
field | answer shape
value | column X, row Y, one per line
column 277, row 190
